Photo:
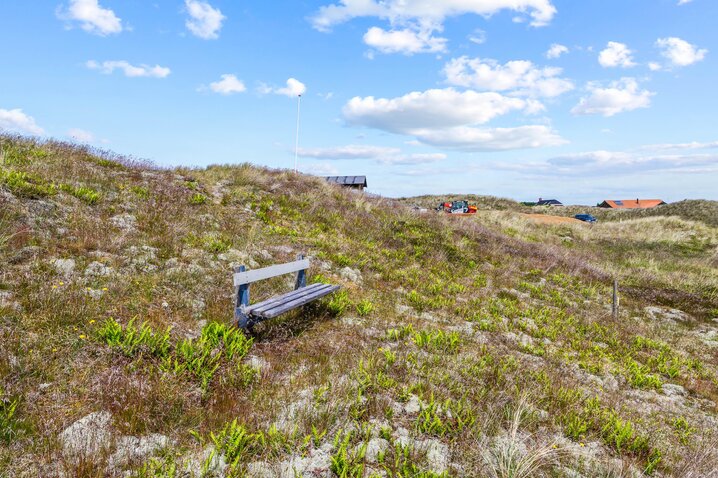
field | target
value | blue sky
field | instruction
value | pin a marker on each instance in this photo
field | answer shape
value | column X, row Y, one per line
column 579, row 100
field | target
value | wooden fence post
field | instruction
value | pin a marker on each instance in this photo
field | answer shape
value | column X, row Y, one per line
column 615, row 299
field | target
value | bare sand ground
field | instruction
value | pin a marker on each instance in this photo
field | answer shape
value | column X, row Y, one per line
column 545, row 219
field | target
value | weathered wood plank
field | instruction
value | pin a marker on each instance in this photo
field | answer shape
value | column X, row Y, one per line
column 271, row 313
column 255, row 275
column 288, row 298
column 283, row 298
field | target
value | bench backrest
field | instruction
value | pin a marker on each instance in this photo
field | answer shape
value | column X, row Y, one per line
column 247, row 277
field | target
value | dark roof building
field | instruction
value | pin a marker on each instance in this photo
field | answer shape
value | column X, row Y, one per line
column 354, row 182
column 631, row 203
column 549, row 202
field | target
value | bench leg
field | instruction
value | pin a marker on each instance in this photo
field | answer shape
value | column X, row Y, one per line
column 301, row 276
column 242, row 319
column 241, row 300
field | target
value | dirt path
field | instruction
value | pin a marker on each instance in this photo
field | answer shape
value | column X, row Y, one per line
column 545, row 219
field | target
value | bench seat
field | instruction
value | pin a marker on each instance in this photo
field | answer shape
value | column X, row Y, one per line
column 280, row 304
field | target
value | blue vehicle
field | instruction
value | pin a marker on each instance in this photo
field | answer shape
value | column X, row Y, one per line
column 585, row 218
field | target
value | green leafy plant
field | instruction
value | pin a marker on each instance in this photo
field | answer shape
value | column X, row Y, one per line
column 339, row 303
column 235, row 442
column 364, row 307
column 683, row 429
column 218, row 345
column 26, row 185
column 346, row 464
column 85, row 194
column 10, row 426
column 197, row 199
column 438, row 340
column 140, row 191
column 135, row 339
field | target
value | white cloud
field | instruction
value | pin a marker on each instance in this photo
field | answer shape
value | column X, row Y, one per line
column 413, row 159
column 478, row 37
column 448, row 118
column 205, row 21
column 608, row 162
column 437, row 108
column 351, row 151
column 319, row 169
column 81, row 136
column 614, row 163
column 129, row 70
column 17, row 121
column 293, row 89
column 380, row 154
column 428, row 13
column 92, row 17
column 522, row 77
column 467, row 138
column 556, row 50
column 616, row 54
column 680, row 146
column 227, row 85
column 684, row 2
column 680, row 52
column 655, row 66
column 619, row 96
column 407, row 41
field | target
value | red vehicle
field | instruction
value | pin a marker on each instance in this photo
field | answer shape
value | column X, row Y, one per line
column 457, row 207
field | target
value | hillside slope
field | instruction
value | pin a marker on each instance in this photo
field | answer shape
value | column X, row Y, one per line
column 697, row 210
column 473, row 347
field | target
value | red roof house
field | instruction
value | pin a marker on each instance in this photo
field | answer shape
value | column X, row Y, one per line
column 631, row 203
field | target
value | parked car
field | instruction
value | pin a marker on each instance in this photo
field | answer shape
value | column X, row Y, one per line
column 585, row 218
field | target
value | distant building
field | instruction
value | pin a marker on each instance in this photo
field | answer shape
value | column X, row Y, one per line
column 631, row 203
column 354, row 182
column 548, row 202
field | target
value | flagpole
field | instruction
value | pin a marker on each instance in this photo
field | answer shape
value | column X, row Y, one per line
column 296, row 142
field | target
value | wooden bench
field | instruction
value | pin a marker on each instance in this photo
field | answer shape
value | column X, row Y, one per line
column 247, row 315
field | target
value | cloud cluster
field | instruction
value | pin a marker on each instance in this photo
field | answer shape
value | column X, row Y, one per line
column 129, row 70
column 449, row 118
column 472, row 139
column 619, row 96
column 424, row 12
column 92, row 17
column 204, row 20
column 17, row 121
column 614, row 163
column 677, row 51
column 521, row 77
column 617, row 163
column 414, row 22
column 407, row 41
column 435, row 108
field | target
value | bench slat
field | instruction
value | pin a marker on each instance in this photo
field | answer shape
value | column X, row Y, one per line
column 247, row 277
column 300, row 293
column 280, row 309
column 282, row 298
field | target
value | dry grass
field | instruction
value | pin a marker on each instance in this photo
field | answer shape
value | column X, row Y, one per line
column 457, row 318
